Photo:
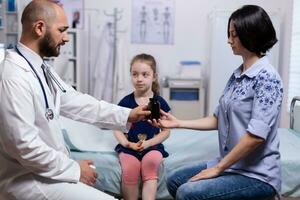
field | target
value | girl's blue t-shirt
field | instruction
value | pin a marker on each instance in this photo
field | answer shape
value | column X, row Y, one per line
column 142, row 128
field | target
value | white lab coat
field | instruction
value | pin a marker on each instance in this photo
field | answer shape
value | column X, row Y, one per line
column 116, row 78
column 122, row 81
column 102, row 71
column 31, row 147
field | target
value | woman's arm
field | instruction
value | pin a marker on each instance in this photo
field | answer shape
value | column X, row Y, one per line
column 244, row 147
column 170, row 121
column 206, row 123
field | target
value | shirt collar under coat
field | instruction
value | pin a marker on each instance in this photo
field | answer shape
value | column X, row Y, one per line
column 35, row 60
column 253, row 70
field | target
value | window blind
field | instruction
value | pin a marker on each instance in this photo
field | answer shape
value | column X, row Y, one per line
column 294, row 70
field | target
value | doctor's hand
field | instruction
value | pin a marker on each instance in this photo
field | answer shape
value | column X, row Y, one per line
column 88, row 174
column 139, row 113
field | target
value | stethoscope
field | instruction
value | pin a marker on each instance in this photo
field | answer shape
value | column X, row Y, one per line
column 49, row 112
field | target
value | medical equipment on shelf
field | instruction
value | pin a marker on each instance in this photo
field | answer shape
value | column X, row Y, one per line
column 185, row 96
column 49, row 114
column 190, row 69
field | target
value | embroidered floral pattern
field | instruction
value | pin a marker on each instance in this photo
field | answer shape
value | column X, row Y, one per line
column 265, row 88
column 268, row 91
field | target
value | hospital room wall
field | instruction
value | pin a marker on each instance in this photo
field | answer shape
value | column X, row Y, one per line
column 191, row 37
column 191, row 34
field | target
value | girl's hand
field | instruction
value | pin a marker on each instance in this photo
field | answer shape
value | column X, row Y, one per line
column 207, row 174
column 135, row 146
column 145, row 144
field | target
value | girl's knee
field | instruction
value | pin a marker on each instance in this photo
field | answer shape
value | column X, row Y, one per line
column 131, row 169
column 152, row 160
column 150, row 165
column 131, row 173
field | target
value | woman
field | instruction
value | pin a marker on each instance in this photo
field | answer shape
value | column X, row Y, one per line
column 246, row 118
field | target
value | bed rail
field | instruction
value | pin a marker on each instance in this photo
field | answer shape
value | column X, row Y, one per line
column 292, row 107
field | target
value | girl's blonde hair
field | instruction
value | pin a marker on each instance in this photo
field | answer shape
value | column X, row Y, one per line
column 149, row 60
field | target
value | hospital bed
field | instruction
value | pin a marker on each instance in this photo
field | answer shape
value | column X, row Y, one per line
column 184, row 146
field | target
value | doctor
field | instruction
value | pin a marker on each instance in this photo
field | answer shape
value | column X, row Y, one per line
column 35, row 163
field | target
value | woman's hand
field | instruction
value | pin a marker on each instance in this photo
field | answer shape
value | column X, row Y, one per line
column 166, row 121
column 207, row 174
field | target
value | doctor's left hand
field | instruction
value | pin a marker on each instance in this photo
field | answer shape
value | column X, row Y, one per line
column 139, row 113
column 88, row 175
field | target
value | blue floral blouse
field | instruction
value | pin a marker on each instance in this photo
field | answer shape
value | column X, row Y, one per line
column 251, row 103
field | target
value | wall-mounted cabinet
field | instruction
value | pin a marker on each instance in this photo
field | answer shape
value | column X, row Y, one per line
column 8, row 23
column 67, row 63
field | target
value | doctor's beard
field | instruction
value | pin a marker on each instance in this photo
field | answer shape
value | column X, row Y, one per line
column 47, row 46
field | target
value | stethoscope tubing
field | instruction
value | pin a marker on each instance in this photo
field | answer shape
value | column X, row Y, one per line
column 39, row 79
column 56, row 81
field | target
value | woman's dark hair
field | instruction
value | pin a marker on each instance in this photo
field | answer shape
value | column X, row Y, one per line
column 254, row 28
column 149, row 60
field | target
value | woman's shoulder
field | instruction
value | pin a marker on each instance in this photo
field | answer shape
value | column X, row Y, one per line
column 269, row 73
column 264, row 71
column 268, row 79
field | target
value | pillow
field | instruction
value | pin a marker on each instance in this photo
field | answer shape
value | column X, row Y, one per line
column 67, row 140
column 85, row 137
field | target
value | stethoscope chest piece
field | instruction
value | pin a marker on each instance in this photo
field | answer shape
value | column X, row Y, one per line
column 49, row 114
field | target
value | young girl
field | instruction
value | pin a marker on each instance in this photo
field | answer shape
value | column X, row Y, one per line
column 140, row 151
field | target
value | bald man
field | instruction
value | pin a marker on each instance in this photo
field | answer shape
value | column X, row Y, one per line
column 34, row 162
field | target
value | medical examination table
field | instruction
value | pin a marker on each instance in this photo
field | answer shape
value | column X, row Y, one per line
column 184, row 146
